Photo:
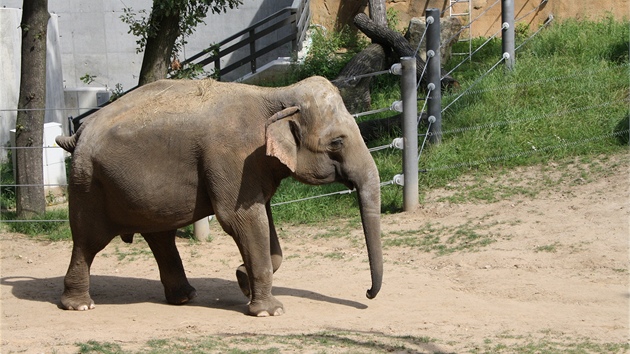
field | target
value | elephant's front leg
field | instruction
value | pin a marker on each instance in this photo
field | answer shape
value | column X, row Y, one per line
column 176, row 287
column 275, row 251
column 253, row 239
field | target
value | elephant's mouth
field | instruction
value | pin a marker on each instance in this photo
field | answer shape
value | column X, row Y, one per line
column 348, row 184
column 342, row 177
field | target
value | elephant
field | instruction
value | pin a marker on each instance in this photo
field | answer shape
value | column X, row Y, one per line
column 174, row 151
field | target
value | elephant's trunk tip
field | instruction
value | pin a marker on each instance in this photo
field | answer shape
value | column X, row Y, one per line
column 371, row 293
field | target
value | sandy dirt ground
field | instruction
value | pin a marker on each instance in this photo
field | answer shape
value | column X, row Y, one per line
column 546, row 265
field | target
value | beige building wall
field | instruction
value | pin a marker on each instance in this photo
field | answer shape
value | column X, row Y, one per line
column 334, row 13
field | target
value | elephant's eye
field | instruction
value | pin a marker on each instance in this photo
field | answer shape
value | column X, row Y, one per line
column 336, row 144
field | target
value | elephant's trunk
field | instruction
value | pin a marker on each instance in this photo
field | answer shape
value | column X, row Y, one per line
column 369, row 194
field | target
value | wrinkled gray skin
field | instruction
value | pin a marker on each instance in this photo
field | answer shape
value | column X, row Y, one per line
column 175, row 151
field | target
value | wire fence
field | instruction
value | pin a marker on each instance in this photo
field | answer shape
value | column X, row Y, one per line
column 425, row 134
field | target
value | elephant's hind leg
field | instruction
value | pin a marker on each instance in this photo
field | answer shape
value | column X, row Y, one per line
column 176, row 287
column 76, row 293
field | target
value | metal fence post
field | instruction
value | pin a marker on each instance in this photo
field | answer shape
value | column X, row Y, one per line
column 409, row 95
column 434, row 73
column 201, row 229
column 507, row 32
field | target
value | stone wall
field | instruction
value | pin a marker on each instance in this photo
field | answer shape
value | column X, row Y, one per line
column 335, row 13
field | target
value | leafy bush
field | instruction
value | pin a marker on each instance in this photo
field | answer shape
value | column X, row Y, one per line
column 329, row 52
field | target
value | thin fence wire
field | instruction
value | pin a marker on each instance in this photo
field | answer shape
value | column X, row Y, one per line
column 424, row 70
column 526, row 153
column 549, row 20
column 466, row 26
column 424, row 105
column 530, row 119
column 35, row 185
column 33, row 220
column 12, row 148
column 424, row 141
column 472, row 53
column 543, row 2
column 341, row 192
column 357, row 77
column 382, row 147
column 375, row 111
column 473, row 84
column 47, row 109
column 453, row 4
column 426, row 28
column 347, row 191
column 531, row 83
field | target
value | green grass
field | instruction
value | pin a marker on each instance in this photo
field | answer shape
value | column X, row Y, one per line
column 442, row 240
column 320, row 342
column 354, row 342
column 552, row 248
column 7, row 191
column 552, row 343
column 52, row 224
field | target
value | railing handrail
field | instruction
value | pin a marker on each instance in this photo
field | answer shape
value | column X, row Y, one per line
column 297, row 20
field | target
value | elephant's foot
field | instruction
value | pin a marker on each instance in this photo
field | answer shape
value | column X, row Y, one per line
column 180, row 295
column 243, row 280
column 266, row 308
column 77, row 302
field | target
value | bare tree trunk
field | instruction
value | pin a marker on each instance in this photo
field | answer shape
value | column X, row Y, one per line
column 378, row 12
column 29, row 126
column 159, row 49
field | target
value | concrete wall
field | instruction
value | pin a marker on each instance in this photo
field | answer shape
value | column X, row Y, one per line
column 10, row 53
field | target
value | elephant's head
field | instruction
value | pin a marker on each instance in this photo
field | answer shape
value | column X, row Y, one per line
column 319, row 141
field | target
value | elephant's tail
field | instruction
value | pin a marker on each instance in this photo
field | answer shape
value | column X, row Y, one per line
column 68, row 143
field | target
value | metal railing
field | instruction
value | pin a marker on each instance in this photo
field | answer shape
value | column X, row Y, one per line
column 295, row 19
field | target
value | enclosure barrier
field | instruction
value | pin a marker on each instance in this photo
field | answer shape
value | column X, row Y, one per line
column 507, row 30
column 410, row 133
column 408, row 179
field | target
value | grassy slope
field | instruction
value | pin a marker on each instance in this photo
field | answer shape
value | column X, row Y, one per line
column 566, row 97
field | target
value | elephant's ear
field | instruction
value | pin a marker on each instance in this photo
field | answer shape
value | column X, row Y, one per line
column 283, row 137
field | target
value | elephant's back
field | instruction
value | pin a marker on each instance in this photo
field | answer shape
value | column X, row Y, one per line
column 173, row 117
column 177, row 103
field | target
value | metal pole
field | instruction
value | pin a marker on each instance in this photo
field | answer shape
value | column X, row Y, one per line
column 201, row 229
column 507, row 32
column 434, row 72
column 410, row 132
